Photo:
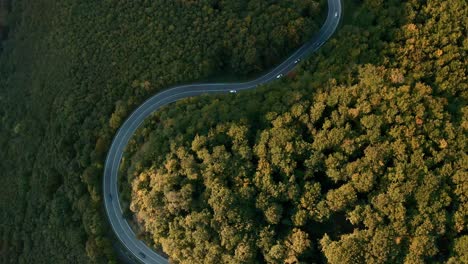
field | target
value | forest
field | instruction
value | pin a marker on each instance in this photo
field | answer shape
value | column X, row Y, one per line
column 4, row 10
column 67, row 82
column 359, row 156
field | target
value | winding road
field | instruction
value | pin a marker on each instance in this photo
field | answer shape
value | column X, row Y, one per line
column 111, row 198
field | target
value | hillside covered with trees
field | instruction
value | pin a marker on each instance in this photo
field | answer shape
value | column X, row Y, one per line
column 360, row 156
column 71, row 71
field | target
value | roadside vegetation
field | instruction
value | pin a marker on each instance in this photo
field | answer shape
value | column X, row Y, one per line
column 70, row 73
column 360, row 156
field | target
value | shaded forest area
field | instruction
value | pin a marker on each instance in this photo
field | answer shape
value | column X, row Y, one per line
column 71, row 71
column 5, row 8
column 360, row 156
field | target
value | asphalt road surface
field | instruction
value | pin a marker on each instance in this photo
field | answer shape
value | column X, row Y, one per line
column 111, row 198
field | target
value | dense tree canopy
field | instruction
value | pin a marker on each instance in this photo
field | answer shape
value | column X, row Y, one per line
column 377, row 165
column 71, row 72
column 360, row 157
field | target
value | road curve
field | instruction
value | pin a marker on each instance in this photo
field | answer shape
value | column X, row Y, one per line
column 111, row 198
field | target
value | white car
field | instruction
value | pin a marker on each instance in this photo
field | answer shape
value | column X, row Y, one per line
column 297, row 61
column 232, row 91
column 336, row 14
column 279, row 76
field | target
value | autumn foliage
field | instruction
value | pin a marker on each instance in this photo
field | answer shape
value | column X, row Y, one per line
column 351, row 160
